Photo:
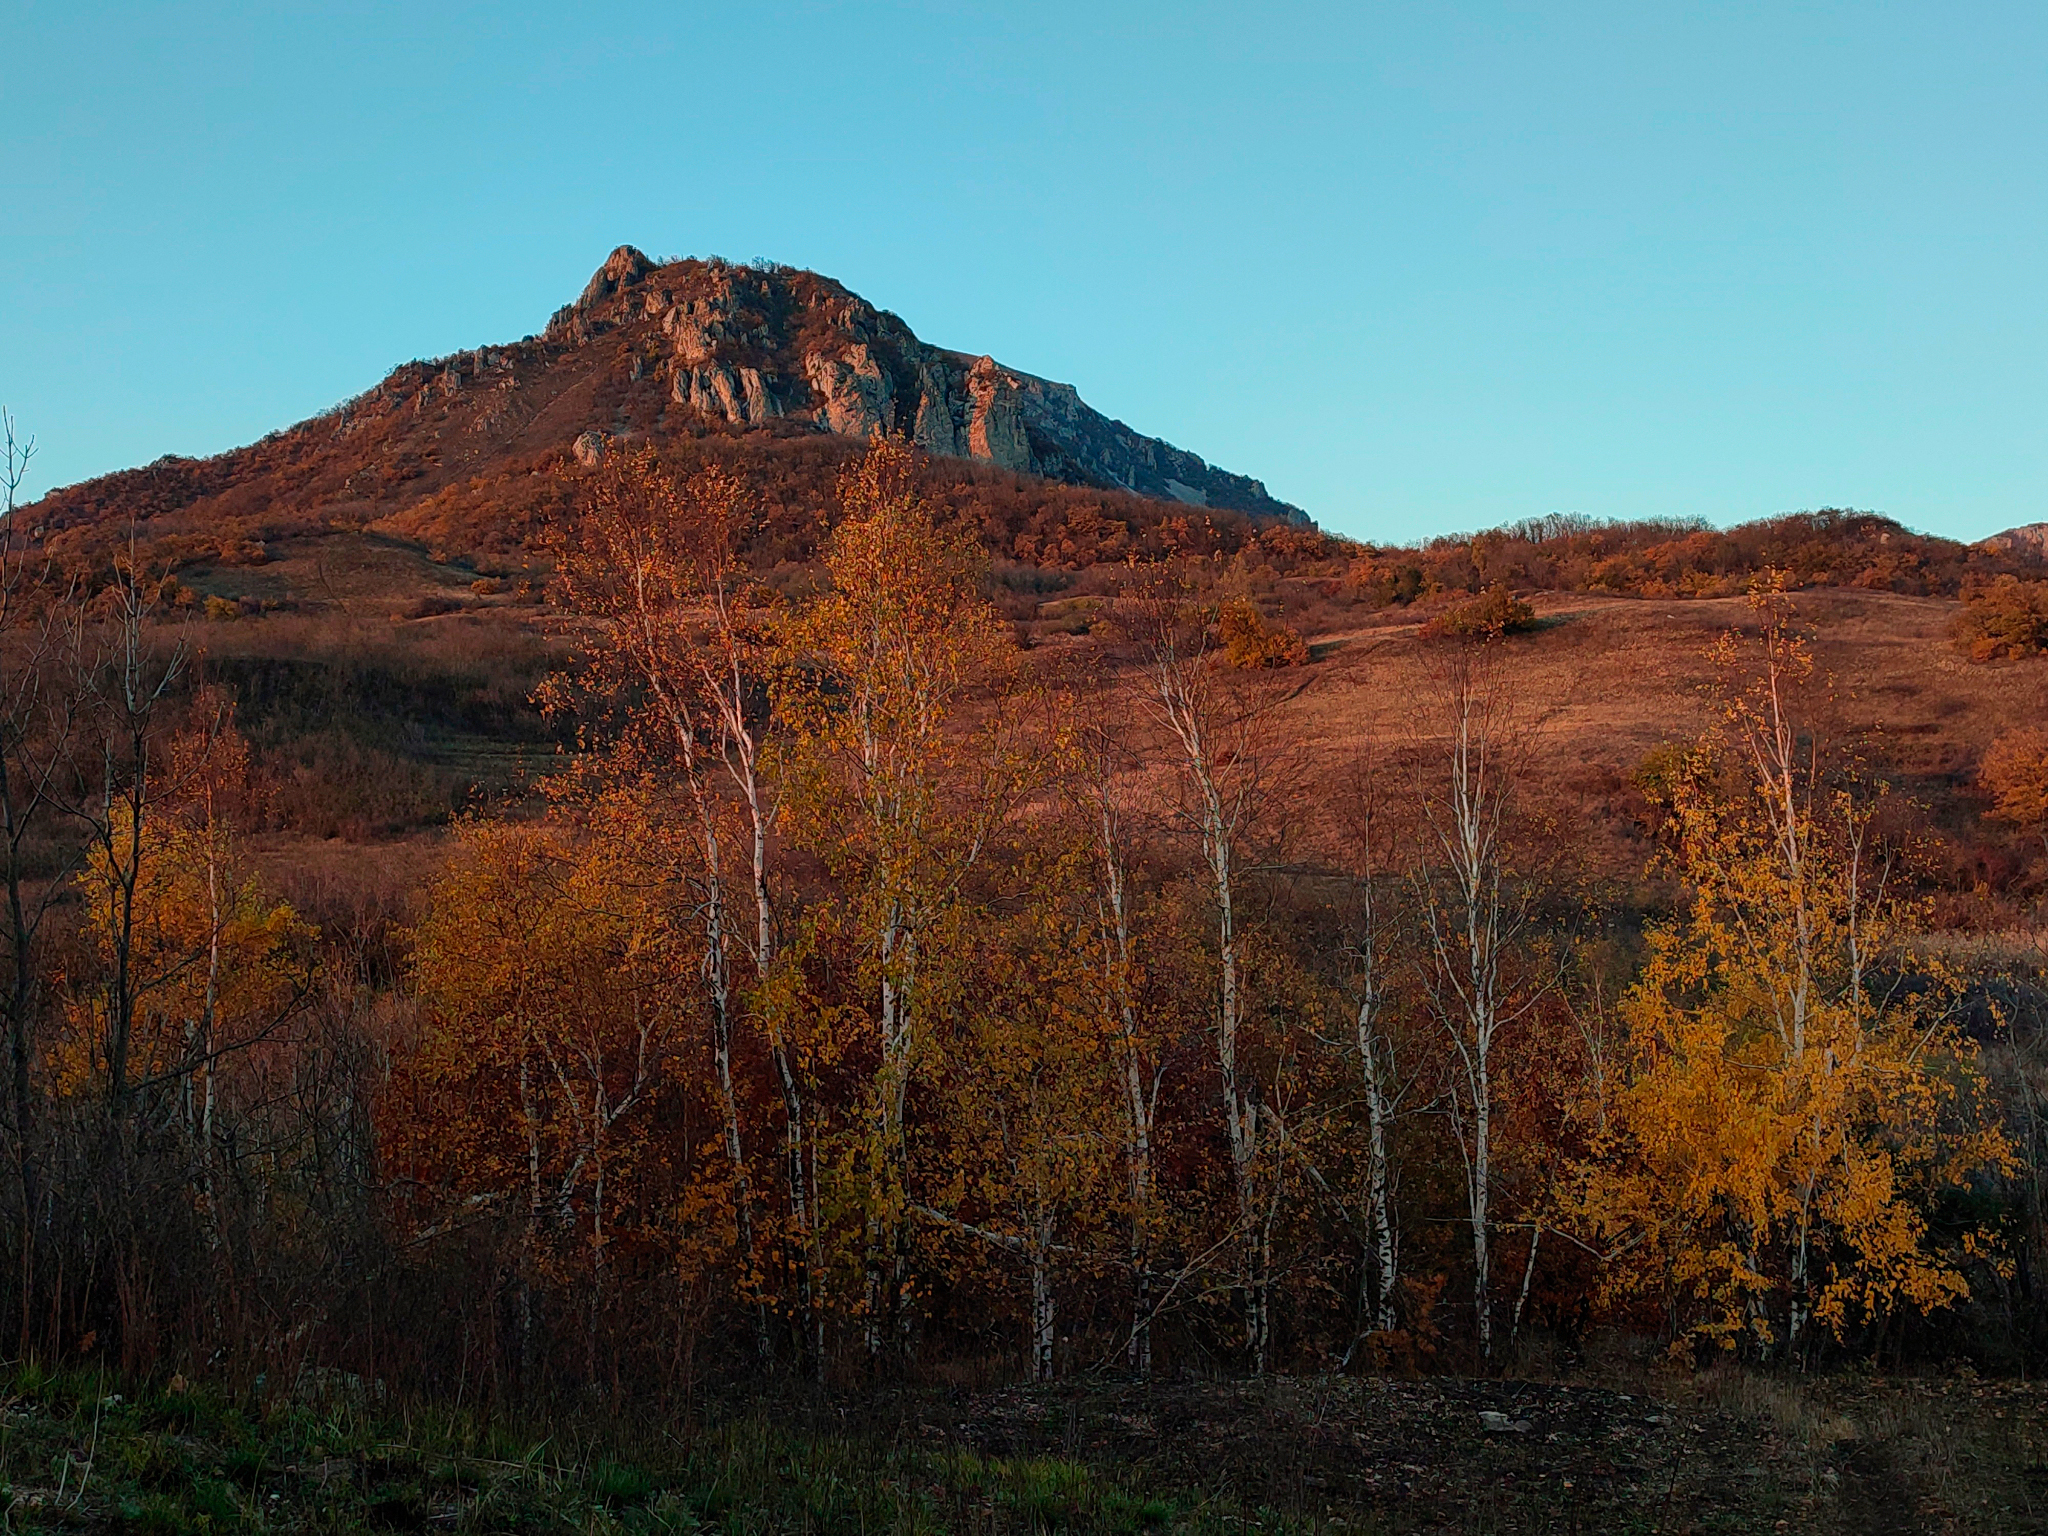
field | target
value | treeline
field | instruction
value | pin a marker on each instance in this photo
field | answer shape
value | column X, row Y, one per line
column 1671, row 557
column 869, row 997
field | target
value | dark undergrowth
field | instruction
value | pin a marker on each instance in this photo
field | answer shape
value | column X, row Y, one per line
column 1731, row 1450
column 82, row 1450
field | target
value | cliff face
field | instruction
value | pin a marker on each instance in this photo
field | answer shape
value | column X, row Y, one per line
column 2029, row 540
column 753, row 345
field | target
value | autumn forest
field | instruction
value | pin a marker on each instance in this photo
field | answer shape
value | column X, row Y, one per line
column 862, row 995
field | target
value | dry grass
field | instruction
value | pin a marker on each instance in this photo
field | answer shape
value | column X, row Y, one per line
column 1951, row 1454
column 1605, row 681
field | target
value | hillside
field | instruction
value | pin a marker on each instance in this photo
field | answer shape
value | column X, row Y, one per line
column 434, row 488
column 377, row 732
column 1610, row 680
column 2029, row 539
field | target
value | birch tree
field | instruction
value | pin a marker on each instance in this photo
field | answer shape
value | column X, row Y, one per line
column 1030, row 1165
column 1476, row 918
column 1103, row 761
column 686, row 629
column 1378, row 1069
column 1799, row 1091
column 1213, row 724
column 551, row 1023
column 907, row 771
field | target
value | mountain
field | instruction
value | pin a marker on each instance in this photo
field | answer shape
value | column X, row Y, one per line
column 766, row 363
column 2027, row 540
column 755, row 344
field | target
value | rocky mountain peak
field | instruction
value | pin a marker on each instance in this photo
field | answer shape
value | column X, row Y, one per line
column 2029, row 539
column 750, row 345
column 624, row 266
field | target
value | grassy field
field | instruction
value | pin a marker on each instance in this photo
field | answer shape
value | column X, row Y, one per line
column 1731, row 1452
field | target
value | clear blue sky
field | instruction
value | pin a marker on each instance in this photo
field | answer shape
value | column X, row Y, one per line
column 1419, row 267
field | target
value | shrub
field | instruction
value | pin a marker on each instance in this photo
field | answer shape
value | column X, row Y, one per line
column 1658, row 776
column 2016, row 774
column 221, row 609
column 1493, row 613
column 1250, row 642
column 432, row 606
column 1386, row 583
column 2006, row 620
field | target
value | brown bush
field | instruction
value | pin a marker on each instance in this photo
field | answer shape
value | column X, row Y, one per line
column 1250, row 642
column 2016, row 773
column 2006, row 620
column 1493, row 613
column 433, row 605
column 1385, row 582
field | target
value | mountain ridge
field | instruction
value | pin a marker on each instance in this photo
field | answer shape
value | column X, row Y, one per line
column 766, row 358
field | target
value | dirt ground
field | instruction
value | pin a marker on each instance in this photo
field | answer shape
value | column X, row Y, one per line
column 1729, row 1451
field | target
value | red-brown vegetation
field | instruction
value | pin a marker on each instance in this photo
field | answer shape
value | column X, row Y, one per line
column 2005, row 620
column 1491, row 615
column 1249, row 640
column 2016, row 774
column 868, row 992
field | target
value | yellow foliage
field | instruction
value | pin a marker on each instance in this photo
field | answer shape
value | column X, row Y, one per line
column 1492, row 614
column 213, row 966
column 902, row 766
column 1250, row 642
column 549, row 986
column 1798, row 1092
column 894, row 706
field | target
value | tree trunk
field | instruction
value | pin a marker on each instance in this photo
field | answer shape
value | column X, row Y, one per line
column 1138, row 1102
column 796, row 1150
column 530, row 1239
column 1240, row 1113
column 1528, row 1280
column 886, row 1259
column 1481, row 1191
column 1379, row 1194
column 1042, row 1316
column 1379, row 1272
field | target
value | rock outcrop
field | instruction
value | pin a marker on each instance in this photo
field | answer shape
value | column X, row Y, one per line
column 2029, row 540
column 751, row 345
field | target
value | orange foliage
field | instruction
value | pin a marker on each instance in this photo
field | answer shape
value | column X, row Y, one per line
column 2016, row 773
column 2005, row 621
column 1250, row 641
column 1494, row 613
